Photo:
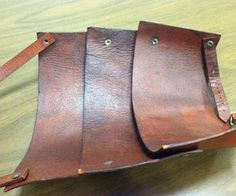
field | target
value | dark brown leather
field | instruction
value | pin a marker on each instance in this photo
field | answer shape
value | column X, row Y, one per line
column 112, row 99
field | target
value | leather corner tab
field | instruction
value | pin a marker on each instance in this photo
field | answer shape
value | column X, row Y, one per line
column 24, row 56
column 14, row 178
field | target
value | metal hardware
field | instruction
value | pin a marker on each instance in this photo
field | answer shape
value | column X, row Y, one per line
column 46, row 42
column 16, row 176
column 107, row 42
column 154, row 41
column 210, row 43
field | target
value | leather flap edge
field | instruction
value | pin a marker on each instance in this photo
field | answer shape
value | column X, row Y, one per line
column 159, row 149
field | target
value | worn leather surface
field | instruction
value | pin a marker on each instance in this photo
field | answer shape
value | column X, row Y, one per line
column 111, row 99
column 171, row 99
column 55, row 148
column 109, row 137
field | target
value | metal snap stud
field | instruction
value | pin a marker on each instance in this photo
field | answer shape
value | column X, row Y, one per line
column 16, row 176
column 46, row 42
column 154, row 41
column 107, row 42
column 210, row 43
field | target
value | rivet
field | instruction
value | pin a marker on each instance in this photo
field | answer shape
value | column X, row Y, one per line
column 210, row 43
column 17, row 175
column 107, row 42
column 154, row 41
column 46, row 42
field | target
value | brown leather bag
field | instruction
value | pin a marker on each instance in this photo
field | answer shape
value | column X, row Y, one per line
column 111, row 99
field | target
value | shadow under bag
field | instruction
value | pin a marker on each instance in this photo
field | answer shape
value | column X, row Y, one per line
column 111, row 99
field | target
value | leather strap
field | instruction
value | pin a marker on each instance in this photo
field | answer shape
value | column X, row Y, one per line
column 28, row 53
column 14, row 178
column 209, row 45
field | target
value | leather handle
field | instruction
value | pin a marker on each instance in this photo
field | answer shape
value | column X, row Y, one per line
column 28, row 53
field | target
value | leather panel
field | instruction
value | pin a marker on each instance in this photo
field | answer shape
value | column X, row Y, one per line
column 171, row 98
column 109, row 135
column 56, row 144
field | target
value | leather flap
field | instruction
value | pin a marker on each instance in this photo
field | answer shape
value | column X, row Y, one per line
column 172, row 100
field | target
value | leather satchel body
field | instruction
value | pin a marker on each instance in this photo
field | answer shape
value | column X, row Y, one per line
column 112, row 99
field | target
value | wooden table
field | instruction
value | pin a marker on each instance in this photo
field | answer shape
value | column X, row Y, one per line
column 208, row 173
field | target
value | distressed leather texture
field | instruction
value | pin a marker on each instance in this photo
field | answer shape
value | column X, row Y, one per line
column 171, row 99
column 112, row 99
